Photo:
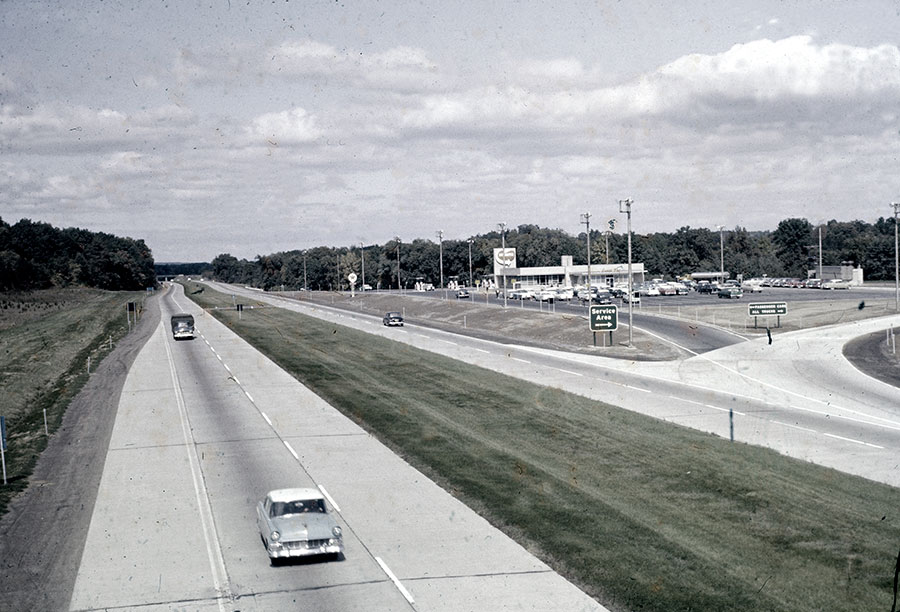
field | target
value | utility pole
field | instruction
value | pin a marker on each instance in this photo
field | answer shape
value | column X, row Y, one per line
column 625, row 207
column 721, row 253
column 471, row 283
column 896, row 206
column 362, row 254
column 502, row 227
column 586, row 219
column 399, row 287
column 820, row 254
column 440, row 235
column 305, row 284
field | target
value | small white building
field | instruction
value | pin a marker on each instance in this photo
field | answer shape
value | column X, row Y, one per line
column 564, row 275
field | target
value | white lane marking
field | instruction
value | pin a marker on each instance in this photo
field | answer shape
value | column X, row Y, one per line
column 393, row 578
column 293, row 452
column 637, row 388
column 447, row 342
column 266, row 417
column 235, row 379
column 567, row 371
column 481, row 350
column 228, row 370
column 213, row 552
column 249, row 397
column 795, row 426
column 328, row 497
column 522, row 360
column 853, row 441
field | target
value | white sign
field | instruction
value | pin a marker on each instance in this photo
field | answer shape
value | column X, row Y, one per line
column 352, row 278
column 504, row 258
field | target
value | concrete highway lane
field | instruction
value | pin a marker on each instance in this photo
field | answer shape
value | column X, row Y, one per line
column 205, row 428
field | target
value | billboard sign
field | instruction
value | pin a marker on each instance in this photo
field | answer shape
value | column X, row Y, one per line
column 504, row 258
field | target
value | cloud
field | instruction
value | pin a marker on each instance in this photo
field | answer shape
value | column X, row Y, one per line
column 294, row 126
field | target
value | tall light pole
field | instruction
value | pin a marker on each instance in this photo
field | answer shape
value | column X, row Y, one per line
column 471, row 283
column 625, row 207
column 362, row 254
column 721, row 229
column 440, row 235
column 502, row 227
column 399, row 286
column 586, row 219
column 896, row 206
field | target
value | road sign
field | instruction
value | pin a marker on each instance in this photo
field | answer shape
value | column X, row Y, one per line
column 761, row 309
column 352, row 278
column 604, row 317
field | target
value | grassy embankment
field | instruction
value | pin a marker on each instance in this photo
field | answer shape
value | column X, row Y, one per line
column 46, row 339
column 642, row 514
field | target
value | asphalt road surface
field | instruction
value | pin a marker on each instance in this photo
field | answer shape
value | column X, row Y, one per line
column 205, row 428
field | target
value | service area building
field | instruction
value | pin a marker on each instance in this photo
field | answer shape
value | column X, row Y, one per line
column 508, row 274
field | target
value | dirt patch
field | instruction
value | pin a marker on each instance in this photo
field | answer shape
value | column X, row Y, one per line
column 566, row 332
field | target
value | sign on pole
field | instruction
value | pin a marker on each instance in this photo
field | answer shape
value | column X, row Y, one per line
column 762, row 309
column 767, row 309
column 604, row 317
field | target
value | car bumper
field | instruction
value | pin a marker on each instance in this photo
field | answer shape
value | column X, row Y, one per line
column 181, row 335
column 289, row 550
column 394, row 323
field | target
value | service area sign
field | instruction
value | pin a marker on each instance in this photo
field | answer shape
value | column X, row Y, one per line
column 762, row 309
column 604, row 317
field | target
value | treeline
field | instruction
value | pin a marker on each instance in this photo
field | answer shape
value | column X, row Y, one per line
column 789, row 250
column 36, row 255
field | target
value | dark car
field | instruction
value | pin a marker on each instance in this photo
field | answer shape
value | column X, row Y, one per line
column 731, row 292
column 462, row 294
column 393, row 319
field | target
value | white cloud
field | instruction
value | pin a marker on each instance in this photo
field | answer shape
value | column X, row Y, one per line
column 287, row 127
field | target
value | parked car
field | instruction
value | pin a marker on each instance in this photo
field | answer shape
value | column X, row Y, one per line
column 393, row 319
column 632, row 298
column 462, row 294
column 835, row 283
column 521, row 294
column 705, row 287
column 601, row 297
column 752, row 286
column 730, row 292
column 546, row 295
column 296, row 523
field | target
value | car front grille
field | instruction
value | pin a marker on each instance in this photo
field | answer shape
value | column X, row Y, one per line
column 305, row 544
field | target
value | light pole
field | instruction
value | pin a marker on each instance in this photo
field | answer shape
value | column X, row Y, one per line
column 362, row 255
column 399, row 287
column 305, row 284
column 721, row 229
column 440, row 235
column 625, row 207
column 471, row 283
column 896, row 206
column 586, row 219
column 502, row 227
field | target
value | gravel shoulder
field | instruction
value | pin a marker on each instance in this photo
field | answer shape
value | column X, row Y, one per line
column 43, row 533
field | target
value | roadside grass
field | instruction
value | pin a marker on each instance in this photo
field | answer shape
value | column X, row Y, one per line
column 46, row 339
column 642, row 514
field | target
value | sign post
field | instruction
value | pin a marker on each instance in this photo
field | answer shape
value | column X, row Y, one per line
column 352, row 278
column 603, row 317
column 766, row 309
column 3, row 445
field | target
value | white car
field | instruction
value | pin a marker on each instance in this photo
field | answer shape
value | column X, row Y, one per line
column 296, row 523
column 835, row 283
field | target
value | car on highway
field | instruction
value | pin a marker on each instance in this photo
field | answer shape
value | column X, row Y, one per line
column 296, row 523
column 835, row 283
column 632, row 298
column 393, row 319
column 521, row 294
column 462, row 294
column 730, row 292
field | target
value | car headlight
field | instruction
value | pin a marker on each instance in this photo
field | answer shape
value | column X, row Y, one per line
column 275, row 536
column 336, row 531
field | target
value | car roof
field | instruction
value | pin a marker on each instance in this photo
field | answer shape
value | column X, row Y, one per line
column 286, row 495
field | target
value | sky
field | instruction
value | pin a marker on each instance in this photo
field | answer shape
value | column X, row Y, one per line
column 248, row 128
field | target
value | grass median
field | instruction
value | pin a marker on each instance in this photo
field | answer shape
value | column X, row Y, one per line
column 642, row 514
column 47, row 340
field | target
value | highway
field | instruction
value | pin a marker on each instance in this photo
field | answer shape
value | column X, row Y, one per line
column 205, row 428
column 798, row 396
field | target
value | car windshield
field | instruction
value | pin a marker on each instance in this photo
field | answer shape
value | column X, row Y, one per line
column 296, row 507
